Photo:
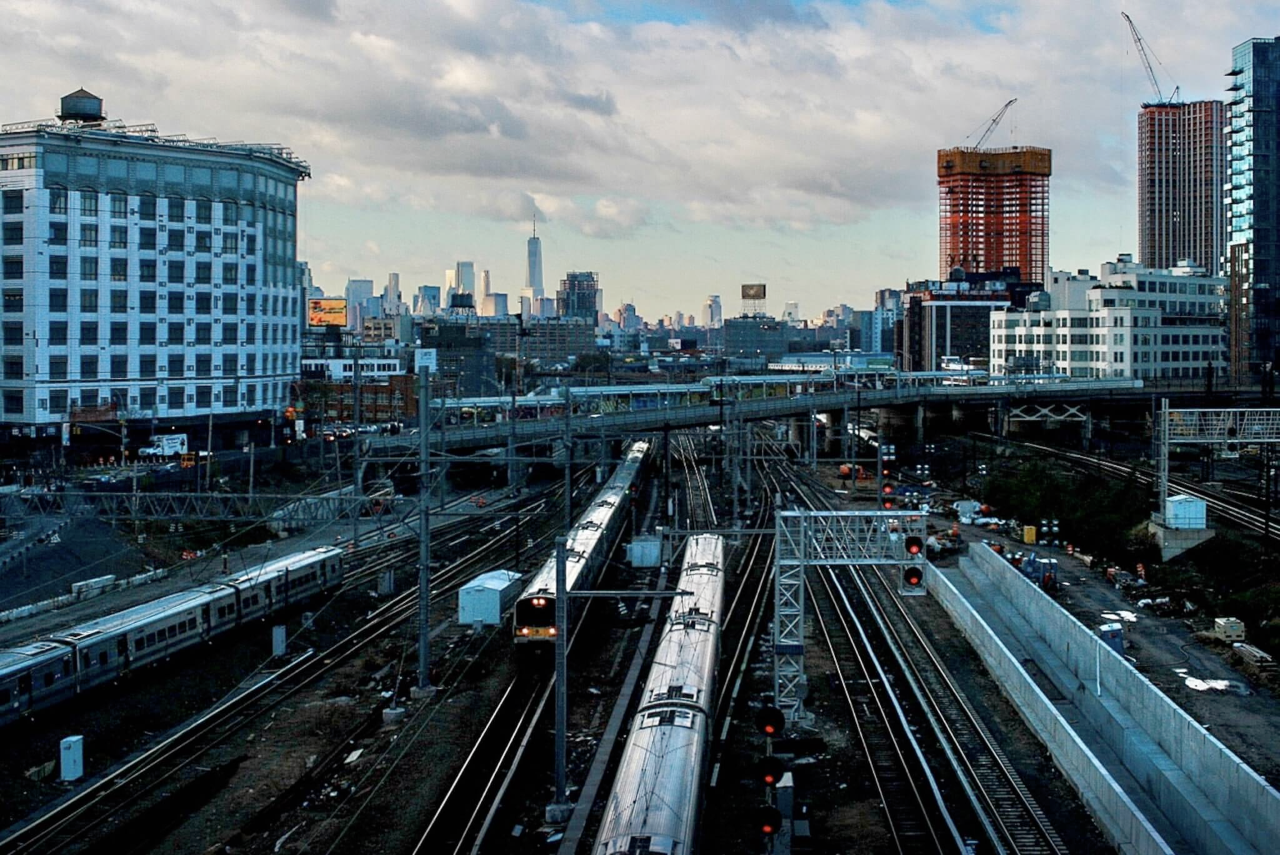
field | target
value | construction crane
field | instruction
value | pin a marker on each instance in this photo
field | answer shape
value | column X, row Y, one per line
column 1143, row 52
column 995, row 120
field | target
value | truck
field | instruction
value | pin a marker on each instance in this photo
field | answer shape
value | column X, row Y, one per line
column 165, row 445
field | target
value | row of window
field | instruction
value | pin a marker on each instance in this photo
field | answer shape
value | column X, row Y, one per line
column 89, row 265
column 175, row 302
column 151, row 639
column 14, row 234
column 13, row 334
column 231, row 395
column 1166, row 339
column 1118, row 357
column 10, row 162
column 149, row 207
column 304, row 579
column 14, row 366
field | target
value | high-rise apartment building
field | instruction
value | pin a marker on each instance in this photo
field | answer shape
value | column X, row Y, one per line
column 1182, row 166
column 993, row 206
column 1253, row 205
column 580, row 297
column 153, row 276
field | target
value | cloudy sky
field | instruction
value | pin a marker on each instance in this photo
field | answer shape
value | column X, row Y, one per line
column 678, row 147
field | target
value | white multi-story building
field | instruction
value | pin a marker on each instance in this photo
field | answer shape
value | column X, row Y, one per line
column 712, row 313
column 153, row 275
column 1132, row 321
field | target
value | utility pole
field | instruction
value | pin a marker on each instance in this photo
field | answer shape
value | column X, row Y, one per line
column 666, row 473
column 208, row 461
column 568, row 462
column 356, row 474
column 558, row 809
column 252, row 449
column 424, row 531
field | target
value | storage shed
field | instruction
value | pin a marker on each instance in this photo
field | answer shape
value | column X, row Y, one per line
column 1184, row 512
column 486, row 597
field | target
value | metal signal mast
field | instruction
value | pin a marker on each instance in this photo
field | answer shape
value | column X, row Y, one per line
column 1145, row 54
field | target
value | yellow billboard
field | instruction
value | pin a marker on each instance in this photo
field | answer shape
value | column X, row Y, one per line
column 327, row 312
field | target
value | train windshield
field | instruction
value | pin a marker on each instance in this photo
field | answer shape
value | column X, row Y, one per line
column 536, row 611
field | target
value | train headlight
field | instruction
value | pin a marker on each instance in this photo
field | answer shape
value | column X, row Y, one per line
column 551, row 631
column 524, row 630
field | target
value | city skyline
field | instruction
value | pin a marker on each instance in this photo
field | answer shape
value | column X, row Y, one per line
column 614, row 125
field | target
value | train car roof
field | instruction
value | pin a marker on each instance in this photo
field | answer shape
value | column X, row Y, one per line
column 145, row 612
column 19, row 658
column 277, row 565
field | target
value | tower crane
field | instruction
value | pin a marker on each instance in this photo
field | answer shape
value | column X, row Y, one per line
column 995, row 120
column 1143, row 52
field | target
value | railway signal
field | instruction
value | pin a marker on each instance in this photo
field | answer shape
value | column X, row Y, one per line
column 770, row 770
column 770, row 819
column 915, row 545
column 886, row 496
column 770, row 721
column 911, row 581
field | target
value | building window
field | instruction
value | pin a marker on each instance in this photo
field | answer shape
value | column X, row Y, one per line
column 57, row 267
column 177, row 208
column 147, row 302
column 89, row 366
column 177, row 302
column 176, row 332
column 13, row 403
column 58, row 202
column 12, row 300
column 88, row 268
column 57, row 233
column 89, row 300
column 204, row 396
column 119, row 237
column 204, row 211
column 204, row 333
column 251, row 275
column 147, row 333
column 230, row 333
column 230, row 304
column 13, row 368
column 147, row 270
column 119, row 301
column 88, row 333
column 57, row 368
column 230, row 213
column 177, row 364
column 12, row 333
column 13, row 201
column 229, row 396
column 250, row 333
column 229, row 364
column 204, row 242
column 88, row 203
column 147, row 208
column 251, row 364
column 58, row 401
column 58, row 299
column 251, row 243
column 13, row 234
column 230, row 242
column 204, row 273
column 13, row 267
column 204, row 303
column 147, row 398
column 204, row 365
column 177, row 272
column 177, row 240
column 120, row 332
column 88, row 235
column 119, row 206
column 177, row 397
column 58, row 329
column 120, row 366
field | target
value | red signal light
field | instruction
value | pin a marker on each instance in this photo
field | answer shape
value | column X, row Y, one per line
column 912, row 577
column 887, row 504
column 915, row 545
column 770, row 821
column 770, row 771
column 887, row 489
column 770, row 721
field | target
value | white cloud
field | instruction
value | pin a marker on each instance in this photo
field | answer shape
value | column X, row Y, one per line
column 371, row 247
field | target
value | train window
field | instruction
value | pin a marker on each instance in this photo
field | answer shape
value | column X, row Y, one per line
column 173, row 631
column 191, row 624
column 24, row 684
column 139, row 644
column 222, row 612
column 48, row 679
column 85, row 660
column 122, row 647
column 151, row 638
column 5, row 695
column 102, row 657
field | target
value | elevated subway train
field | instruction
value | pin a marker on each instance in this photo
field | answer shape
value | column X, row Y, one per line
column 656, row 794
column 535, row 614
column 49, row 671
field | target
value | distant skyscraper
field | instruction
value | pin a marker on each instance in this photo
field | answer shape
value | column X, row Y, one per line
column 993, row 206
column 1182, row 165
column 533, row 272
column 427, row 300
column 358, row 290
column 391, row 294
column 791, row 311
column 712, row 314
column 1253, row 205
column 465, row 277
column 580, row 297
column 484, row 284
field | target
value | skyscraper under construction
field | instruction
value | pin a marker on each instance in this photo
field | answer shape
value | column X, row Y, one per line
column 993, row 206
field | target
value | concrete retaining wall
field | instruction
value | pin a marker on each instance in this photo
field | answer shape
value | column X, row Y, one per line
column 1213, row 798
column 79, row 597
column 1120, row 818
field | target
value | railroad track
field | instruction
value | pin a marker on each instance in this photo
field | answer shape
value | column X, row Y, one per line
column 89, row 814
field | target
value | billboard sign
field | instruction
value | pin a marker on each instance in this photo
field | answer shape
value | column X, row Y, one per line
column 327, row 312
column 426, row 356
column 753, row 292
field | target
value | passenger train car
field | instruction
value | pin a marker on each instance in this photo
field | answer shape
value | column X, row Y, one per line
column 47, row 672
column 535, row 612
column 656, row 794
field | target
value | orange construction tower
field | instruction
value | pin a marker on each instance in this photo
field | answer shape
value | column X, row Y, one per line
column 993, row 206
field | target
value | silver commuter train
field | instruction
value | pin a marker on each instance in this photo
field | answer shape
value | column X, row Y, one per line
column 656, row 794
column 39, row 675
column 535, row 611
